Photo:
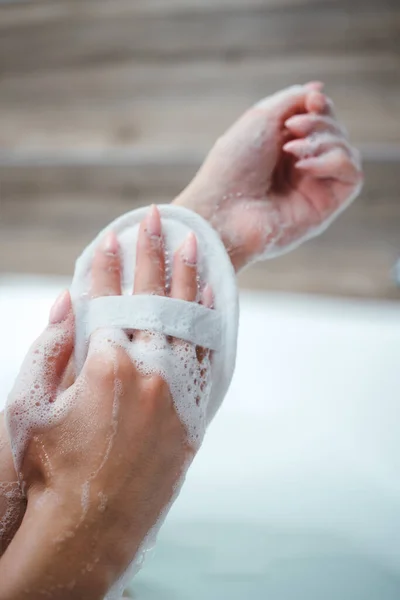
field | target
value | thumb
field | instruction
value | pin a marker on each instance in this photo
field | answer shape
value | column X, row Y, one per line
column 32, row 400
column 49, row 355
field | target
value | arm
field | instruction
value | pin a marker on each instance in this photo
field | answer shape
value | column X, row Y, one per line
column 45, row 559
column 12, row 504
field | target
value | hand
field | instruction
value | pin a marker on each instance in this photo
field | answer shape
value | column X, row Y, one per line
column 101, row 459
column 278, row 176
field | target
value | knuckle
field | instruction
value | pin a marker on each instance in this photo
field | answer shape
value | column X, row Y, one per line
column 124, row 365
column 101, row 368
column 155, row 397
column 108, row 365
column 155, row 386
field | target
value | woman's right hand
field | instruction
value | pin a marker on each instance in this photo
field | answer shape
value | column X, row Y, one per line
column 100, row 471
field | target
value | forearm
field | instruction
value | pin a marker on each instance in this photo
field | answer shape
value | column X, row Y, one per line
column 54, row 554
column 7, row 470
column 12, row 504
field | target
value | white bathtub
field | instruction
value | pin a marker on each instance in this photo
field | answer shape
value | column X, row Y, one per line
column 296, row 492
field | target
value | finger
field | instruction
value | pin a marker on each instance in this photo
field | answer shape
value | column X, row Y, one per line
column 335, row 164
column 37, row 384
column 289, row 101
column 207, row 297
column 322, row 104
column 316, row 102
column 207, row 300
column 184, row 274
column 106, row 268
column 150, row 260
column 315, row 86
column 315, row 145
column 307, row 124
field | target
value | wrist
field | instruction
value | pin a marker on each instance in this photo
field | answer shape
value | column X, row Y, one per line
column 189, row 199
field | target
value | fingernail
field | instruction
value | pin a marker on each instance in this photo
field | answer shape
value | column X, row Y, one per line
column 288, row 145
column 60, row 308
column 207, row 296
column 290, row 121
column 315, row 85
column 189, row 249
column 303, row 164
column 319, row 100
column 154, row 222
column 110, row 244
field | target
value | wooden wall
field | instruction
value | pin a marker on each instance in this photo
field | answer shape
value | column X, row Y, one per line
column 109, row 104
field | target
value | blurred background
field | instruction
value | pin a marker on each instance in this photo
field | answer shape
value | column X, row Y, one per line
column 109, row 104
column 106, row 105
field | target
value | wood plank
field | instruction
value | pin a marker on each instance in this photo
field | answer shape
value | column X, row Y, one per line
column 28, row 12
column 90, row 102
column 43, row 229
column 170, row 124
column 79, row 39
column 137, row 174
column 311, row 270
column 133, row 174
column 105, row 85
column 151, row 104
column 153, row 123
